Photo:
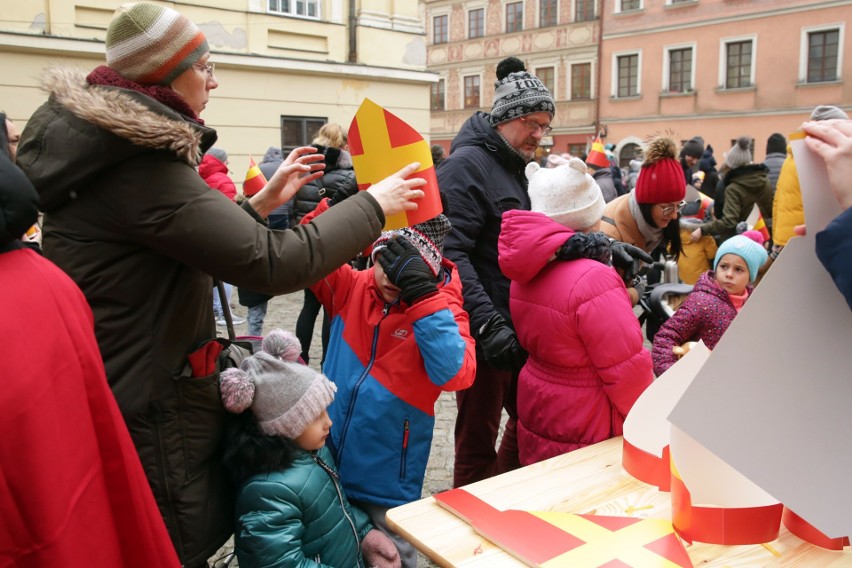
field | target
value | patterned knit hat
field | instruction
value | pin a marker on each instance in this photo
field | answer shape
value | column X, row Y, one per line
column 597, row 155
column 152, row 44
column 567, row 194
column 661, row 177
column 749, row 247
column 739, row 155
column 518, row 93
column 427, row 237
column 284, row 396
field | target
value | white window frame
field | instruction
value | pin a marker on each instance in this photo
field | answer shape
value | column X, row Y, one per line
column 723, row 59
column 438, row 14
column 505, row 20
column 538, row 14
column 463, row 75
column 444, row 79
column 553, row 65
column 667, row 66
column 618, row 9
column 570, row 81
column 803, row 50
column 317, row 4
column 614, row 75
column 467, row 20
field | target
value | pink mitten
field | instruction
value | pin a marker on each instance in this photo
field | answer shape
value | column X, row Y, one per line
column 379, row 551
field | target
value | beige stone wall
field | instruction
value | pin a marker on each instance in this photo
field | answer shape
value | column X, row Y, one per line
column 267, row 65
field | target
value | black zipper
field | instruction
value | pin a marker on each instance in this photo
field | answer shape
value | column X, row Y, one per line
column 335, row 480
column 402, row 461
column 351, row 409
column 156, row 414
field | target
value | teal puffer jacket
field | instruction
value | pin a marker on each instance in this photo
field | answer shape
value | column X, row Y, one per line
column 299, row 517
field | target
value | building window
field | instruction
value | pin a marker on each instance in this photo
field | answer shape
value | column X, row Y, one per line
column 577, row 150
column 476, row 23
column 680, row 70
column 306, row 8
column 584, row 10
column 299, row 131
column 514, row 17
column 823, row 50
column 738, row 56
column 471, row 91
column 547, row 75
column 547, row 13
column 627, row 5
column 440, row 29
column 437, row 95
column 627, row 79
column 581, row 81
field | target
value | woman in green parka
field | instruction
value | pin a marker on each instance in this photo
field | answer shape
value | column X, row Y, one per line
column 291, row 509
column 113, row 155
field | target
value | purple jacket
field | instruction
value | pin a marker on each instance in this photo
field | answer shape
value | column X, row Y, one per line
column 587, row 364
column 705, row 314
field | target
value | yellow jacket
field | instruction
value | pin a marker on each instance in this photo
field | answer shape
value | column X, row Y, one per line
column 787, row 209
column 696, row 258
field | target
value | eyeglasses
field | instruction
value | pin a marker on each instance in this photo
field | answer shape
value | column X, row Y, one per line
column 532, row 126
column 206, row 67
column 667, row 210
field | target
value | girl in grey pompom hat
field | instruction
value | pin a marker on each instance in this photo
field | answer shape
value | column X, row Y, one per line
column 290, row 503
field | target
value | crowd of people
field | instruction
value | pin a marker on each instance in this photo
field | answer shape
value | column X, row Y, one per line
column 518, row 297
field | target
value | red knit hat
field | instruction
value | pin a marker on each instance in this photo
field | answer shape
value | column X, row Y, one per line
column 597, row 155
column 661, row 177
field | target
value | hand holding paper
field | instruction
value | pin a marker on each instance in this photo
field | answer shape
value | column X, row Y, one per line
column 832, row 140
column 395, row 193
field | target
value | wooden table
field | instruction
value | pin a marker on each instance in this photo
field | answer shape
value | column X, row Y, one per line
column 590, row 480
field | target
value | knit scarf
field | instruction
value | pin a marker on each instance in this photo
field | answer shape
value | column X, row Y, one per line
column 107, row 76
column 652, row 235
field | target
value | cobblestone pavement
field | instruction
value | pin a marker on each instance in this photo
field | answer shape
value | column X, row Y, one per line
column 282, row 312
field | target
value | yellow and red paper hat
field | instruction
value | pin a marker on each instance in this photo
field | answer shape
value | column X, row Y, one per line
column 381, row 144
column 255, row 180
column 597, row 155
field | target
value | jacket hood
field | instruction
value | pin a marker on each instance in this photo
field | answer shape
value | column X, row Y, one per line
column 211, row 165
column 273, row 155
column 753, row 177
column 99, row 126
column 528, row 240
column 477, row 131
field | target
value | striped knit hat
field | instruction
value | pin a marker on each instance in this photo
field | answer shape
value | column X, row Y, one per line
column 152, row 44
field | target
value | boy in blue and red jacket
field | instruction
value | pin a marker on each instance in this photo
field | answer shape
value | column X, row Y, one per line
column 399, row 336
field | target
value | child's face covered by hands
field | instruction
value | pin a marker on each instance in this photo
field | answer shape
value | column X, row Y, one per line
column 732, row 274
column 389, row 292
column 313, row 438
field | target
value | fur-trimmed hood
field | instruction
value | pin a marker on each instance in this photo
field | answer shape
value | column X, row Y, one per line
column 102, row 126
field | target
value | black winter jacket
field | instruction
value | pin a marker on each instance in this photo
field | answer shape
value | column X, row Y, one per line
column 338, row 177
column 480, row 180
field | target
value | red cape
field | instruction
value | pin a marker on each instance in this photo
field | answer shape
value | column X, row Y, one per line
column 72, row 489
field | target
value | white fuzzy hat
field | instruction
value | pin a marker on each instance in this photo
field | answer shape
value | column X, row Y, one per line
column 567, row 194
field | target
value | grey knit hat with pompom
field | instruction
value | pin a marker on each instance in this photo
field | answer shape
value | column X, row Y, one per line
column 740, row 154
column 284, row 396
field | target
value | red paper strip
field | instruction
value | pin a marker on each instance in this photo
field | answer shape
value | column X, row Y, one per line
column 722, row 525
column 809, row 533
column 647, row 467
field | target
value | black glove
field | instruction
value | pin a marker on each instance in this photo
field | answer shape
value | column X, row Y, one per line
column 628, row 259
column 500, row 344
column 595, row 246
column 407, row 270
